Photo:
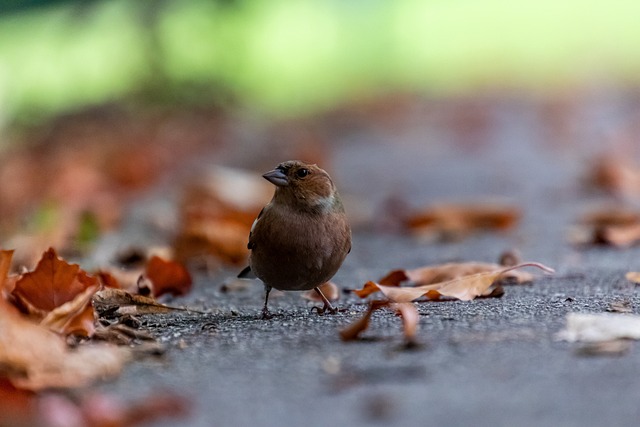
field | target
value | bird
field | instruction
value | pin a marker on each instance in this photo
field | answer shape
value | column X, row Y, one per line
column 302, row 236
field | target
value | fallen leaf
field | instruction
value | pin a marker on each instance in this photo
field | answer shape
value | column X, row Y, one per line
column 35, row 358
column 615, row 226
column 16, row 406
column 605, row 348
column 449, row 221
column 168, row 277
column 463, row 288
column 615, row 174
column 5, row 267
column 110, row 302
column 329, row 290
column 52, row 283
column 633, row 276
column 410, row 319
column 217, row 214
column 75, row 317
column 102, row 410
column 407, row 311
column 449, row 271
column 600, row 327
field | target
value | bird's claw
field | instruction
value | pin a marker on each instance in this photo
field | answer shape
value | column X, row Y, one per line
column 324, row 309
column 266, row 314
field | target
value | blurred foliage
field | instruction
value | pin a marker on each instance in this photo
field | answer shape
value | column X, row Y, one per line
column 288, row 57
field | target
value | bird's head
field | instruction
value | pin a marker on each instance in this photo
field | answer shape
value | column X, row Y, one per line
column 303, row 185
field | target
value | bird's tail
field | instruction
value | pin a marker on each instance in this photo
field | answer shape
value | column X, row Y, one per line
column 247, row 273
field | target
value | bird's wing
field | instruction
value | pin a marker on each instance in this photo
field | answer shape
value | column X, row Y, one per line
column 251, row 243
column 247, row 273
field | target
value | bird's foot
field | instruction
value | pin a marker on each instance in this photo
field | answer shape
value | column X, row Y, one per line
column 325, row 309
column 266, row 314
column 327, row 304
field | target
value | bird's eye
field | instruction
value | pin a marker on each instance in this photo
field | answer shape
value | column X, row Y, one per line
column 301, row 173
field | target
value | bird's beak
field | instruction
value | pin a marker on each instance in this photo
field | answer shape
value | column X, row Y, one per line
column 277, row 178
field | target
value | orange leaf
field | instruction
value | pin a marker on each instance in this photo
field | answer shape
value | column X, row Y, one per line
column 352, row 331
column 394, row 278
column 368, row 289
column 407, row 311
column 410, row 318
column 633, row 276
column 53, row 283
column 168, row 277
column 108, row 280
column 5, row 266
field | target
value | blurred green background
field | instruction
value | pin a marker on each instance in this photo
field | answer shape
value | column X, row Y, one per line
column 292, row 57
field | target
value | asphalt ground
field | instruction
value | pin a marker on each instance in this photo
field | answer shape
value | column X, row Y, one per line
column 486, row 362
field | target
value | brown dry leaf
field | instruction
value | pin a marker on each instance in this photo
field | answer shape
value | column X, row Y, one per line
column 102, row 410
column 105, row 411
column 620, row 236
column 217, row 214
column 329, row 289
column 449, row 271
column 168, row 277
column 75, row 317
column 633, row 276
column 410, row 319
column 614, row 225
column 605, row 348
column 407, row 311
column 109, row 302
column 7, row 281
column 35, row 358
column 615, row 174
column 53, row 283
column 463, row 288
column 453, row 221
column 16, row 406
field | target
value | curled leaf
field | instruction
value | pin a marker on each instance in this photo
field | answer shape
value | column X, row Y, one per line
column 463, row 288
column 449, row 271
column 453, row 221
column 407, row 311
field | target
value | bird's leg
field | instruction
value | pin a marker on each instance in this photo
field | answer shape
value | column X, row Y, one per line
column 327, row 305
column 265, row 309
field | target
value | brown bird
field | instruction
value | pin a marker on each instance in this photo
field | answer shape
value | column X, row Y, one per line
column 301, row 237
